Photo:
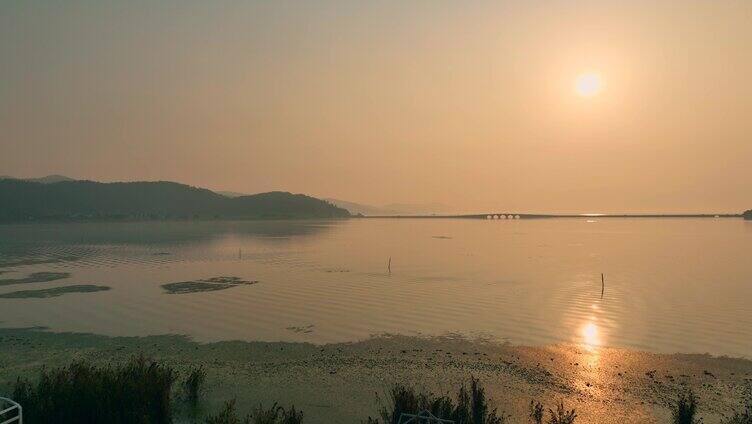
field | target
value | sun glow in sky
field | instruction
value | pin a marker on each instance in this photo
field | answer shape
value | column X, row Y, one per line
column 588, row 84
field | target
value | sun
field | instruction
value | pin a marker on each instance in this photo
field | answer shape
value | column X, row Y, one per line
column 588, row 84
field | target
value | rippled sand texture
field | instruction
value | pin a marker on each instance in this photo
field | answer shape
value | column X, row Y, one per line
column 671, row 285
column 339, row 383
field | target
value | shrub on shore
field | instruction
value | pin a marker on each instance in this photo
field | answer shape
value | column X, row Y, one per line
column 685, row 409
column 561, row 415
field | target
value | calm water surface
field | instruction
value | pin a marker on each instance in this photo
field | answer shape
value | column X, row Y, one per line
column 672, row 285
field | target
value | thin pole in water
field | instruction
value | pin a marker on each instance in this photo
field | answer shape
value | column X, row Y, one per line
column 603, row 285
column 389, row 265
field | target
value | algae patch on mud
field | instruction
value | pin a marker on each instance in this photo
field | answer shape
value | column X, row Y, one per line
column 207, row 285
column 53, row 292
column 304, row 329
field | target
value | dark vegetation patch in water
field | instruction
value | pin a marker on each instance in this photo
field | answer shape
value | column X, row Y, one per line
column 37, row 277
column 305, row 329
column 207, row 285
column 53, row 292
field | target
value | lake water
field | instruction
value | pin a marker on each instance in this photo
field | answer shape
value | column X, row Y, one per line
column 671, row 285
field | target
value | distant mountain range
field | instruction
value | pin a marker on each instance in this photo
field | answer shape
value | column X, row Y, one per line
column 370, row 210
column 67, row 199
column 83, row 210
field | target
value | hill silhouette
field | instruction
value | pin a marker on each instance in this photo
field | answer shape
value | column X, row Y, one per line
column 24, row 200
column 748, row 215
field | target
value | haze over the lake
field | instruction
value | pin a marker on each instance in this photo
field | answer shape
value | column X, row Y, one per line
column 557, row 106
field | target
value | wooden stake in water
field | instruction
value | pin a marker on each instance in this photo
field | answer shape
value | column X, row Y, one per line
column 389, row 265
column 603, row 285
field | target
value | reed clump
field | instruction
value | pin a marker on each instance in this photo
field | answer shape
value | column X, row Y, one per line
column 469, row 406
column 138, row 391
column 260, row 415
column 194, row 384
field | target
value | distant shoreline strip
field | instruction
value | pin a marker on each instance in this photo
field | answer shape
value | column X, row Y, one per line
column 503, row 216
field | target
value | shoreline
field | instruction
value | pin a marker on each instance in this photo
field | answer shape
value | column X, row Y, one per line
column 341, row 382
column 493, row 215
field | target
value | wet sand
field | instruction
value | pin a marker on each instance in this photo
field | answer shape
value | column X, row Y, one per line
column 340, row 383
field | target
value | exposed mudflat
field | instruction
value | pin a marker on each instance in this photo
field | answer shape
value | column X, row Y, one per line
column 339, row 383
column 209, row 284
column 53, row 292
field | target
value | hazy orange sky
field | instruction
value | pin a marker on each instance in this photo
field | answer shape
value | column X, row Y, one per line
column 470, row 104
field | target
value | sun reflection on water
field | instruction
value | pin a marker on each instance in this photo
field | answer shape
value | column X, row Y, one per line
column 590, row 336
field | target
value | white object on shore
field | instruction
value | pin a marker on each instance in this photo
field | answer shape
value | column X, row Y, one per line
column 424, row 416
column 14, row 406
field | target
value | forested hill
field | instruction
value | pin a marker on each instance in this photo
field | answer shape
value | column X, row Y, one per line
column 748, row 215
column 23, row 200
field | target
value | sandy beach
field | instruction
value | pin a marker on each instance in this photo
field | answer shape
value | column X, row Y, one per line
column 345, row 383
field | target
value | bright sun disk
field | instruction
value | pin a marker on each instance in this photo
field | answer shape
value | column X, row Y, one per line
column 588, row 84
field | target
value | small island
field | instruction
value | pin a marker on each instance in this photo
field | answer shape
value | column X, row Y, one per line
column 747, row 215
